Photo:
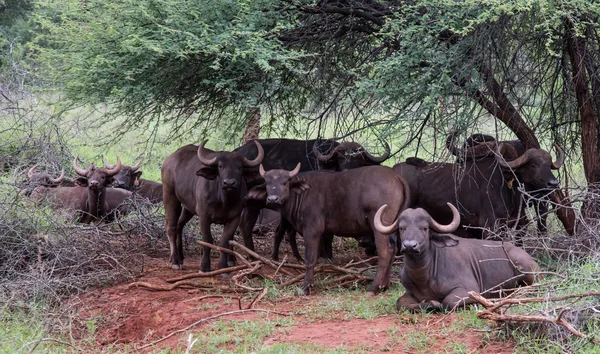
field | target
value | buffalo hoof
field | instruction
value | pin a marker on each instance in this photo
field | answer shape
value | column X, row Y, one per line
column 178, row 266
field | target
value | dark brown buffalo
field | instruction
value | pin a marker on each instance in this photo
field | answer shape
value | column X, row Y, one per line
column 486, row 191
column 343, row 204
column 44, row 179
column 315, row 154
column 539, row 199
column 129, row 178
column 210, row 184
column 441, row 269
column 90, row 198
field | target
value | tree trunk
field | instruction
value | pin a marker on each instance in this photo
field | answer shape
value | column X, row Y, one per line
column 589, row 117
column 504, row 110
column 252, row 125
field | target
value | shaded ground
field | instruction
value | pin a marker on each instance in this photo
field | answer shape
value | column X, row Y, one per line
column 119, row 318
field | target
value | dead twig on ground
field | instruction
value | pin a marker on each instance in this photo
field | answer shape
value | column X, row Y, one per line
column 258, row 297
column 35, row 344
column 266, row 261
column 208, row 274
column 226, row 250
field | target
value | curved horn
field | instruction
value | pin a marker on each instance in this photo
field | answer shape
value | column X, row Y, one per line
column 113, row 171
column 60, row 178
column 261, row 170
column 136, row 166
column 446, row 229
column 560, row 157
column 378, row 223
column 295, row 171
column 258, row 159
column 481, row 149
column 106, row 163
column 454, row 150
column 202, row 155
column 516, row 163
column 379, row 159
column 321, row 157
column 30, row 172
column 80, row 171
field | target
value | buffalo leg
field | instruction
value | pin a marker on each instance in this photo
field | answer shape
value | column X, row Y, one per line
column 326, row 247
column 408, row 302
column 311, row 250
column 385, row 255
column 246, row 223
column 206, row 237
column 292, row 240
column 184, row 217
column 172, row 212
column 284, row 226
column 226, row 236
column 458, row 298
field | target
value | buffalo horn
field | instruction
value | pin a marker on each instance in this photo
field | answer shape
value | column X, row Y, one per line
column 446, row 229
column 322, row 157
column 202, row 155
column 30, row 172
column 80, row 171
column 295, row 171
column 60, row 178
column 113, row 171
column 481, row 149
column 261, row 170
column 378, row 223
column 136, row 166
column 516, row 163
column 258, row 159
column 560, row 157
column 379, row 159
column 106, row 163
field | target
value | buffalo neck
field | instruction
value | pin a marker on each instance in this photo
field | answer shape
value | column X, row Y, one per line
column 96, row 199
column 291, row 209
column 419, row 267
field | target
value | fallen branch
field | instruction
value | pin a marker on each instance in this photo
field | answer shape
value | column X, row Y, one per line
column 226, row 250
column 238, row 298
column 208, row 274
column 208, row 319
column 258, row 297
column 181, row 284
column 266, row 261
column 493, row 305
column 235, row 278
column 37, row 342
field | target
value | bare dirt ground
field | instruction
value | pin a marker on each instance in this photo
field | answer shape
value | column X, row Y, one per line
column 120, row 318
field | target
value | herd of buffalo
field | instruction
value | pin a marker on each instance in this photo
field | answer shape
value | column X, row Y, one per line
column 434, row 213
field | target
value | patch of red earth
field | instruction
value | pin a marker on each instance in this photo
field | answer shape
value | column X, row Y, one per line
column 136, row 316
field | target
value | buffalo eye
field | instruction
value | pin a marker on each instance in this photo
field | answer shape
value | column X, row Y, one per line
column 425, row 228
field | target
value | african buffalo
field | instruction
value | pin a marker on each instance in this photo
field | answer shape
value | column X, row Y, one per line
column 210, row 184
column 90, row 198
column 538, row 198
column 486, row 191
column 36, row 179
column 343, row 204
column 129, row 178
column 440, row 269
column 312, row 155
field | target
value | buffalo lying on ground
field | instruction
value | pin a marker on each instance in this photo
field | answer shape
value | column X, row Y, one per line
column 312, row 155
column 487, row 191
column 90, row 199
column 538, row 198
column 440, row 269
column 44, row 179
column 210, row 184
column 129, row 178
column 343, row 204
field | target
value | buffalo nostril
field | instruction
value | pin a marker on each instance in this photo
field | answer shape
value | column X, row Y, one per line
column 272, row 199
column 229, row 182
column 409, row 244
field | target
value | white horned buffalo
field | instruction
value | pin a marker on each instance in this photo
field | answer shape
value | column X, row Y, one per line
column 440, row 269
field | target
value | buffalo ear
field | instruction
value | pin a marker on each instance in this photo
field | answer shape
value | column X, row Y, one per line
column 299, row 186
column 136, row 174
column 443, row 240
column 208, row 172
column 257, row 193
column 109, row 181
column 81, row 181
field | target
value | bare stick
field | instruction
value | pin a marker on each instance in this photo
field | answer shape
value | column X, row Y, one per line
column 188, row 284
column 208, row 319
column 258, row 298
column 353, row 264
column 501, row 302
column 37, row 342
column 207, row 274
column 236, row 277
column 226, row 250
column 258, row 256
column 282, row 263
column 200, row 298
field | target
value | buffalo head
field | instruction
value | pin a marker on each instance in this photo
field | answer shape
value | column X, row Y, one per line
column 96, row 178
column 348, row 155
column 44, row 179
column 533, row 168
column 414, row 226
column 229, row 167
column 277, row 186
column 127, row 177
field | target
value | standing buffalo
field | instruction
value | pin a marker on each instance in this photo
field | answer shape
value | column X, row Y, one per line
column 312, row 155
column 538, row 198
column 90, row 198
column 440, row 269
column 486, row 191
column 210, row 184
column 343, row 204
column 129, row 178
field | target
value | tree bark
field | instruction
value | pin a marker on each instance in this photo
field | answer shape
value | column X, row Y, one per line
column 576, row 48
column 505, row 111
column 252, row 125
